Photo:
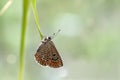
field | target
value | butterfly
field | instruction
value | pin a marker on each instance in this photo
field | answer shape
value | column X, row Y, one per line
column 47, row 54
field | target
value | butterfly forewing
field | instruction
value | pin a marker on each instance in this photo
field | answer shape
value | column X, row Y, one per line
column 47, row 55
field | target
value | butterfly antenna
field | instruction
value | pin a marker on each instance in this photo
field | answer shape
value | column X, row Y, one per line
column 55, row 34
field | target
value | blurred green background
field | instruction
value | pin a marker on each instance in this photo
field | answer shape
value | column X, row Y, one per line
column 89, row 41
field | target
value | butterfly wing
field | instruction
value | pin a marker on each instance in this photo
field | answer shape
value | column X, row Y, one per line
column 47, row 54
column 41, row 54
column 55, row 60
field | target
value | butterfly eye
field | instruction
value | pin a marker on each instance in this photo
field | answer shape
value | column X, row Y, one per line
column 49, row 38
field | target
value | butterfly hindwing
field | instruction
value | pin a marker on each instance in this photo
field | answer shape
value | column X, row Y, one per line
column 55, row 59
column 41, row 55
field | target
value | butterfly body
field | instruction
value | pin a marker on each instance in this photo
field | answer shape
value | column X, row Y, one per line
column 47, row 54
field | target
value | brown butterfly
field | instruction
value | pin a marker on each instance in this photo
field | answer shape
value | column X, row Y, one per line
column 47, row 54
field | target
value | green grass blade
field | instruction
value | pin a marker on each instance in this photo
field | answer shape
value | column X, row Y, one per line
column 36, row 17
column 23, row 31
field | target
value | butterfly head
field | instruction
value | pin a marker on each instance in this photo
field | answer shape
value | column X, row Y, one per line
column 49, row 38
column 46, row 39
